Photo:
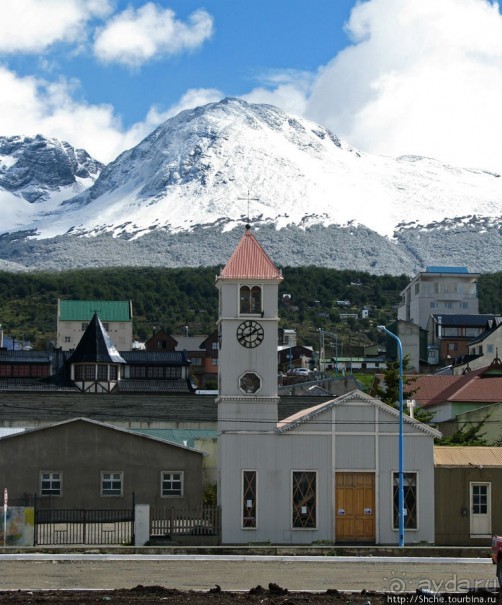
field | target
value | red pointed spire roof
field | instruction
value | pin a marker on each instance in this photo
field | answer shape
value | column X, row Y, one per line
column 250, row 261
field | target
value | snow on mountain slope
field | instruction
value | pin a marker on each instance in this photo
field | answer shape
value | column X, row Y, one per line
column 200, row 167
column 37, row 174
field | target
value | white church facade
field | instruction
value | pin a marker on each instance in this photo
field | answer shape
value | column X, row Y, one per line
column 327, row 473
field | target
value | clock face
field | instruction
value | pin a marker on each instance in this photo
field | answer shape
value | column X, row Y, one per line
column 250, row 334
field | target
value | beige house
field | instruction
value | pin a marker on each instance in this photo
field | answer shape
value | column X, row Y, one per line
column 73, row 317
column 468, row 483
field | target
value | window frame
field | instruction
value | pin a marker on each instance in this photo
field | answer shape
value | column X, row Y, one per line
column 252, row 302
column 116, row 492
column 314, row 516
column 246, row 491
column 164, row 480
column 51, row 479
column 395, row 501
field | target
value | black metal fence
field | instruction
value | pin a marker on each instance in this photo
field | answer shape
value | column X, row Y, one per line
column 81, row 526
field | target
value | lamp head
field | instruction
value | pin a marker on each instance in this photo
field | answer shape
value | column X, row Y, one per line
column 381, row 328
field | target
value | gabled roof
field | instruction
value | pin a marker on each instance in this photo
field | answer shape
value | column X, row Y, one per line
column 83, row 310
column 95, row 346
column 308, row 414
column 189, row 343
column 491, row 326
column 483, row 385
column 460, row 319
column 104, row 425
column 427, row 387
column 250, row 261
column 459, row 455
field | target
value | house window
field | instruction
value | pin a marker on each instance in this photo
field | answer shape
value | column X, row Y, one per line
column 250, row 299
column 89, row 372
column 161, row 344
column 215, row 345
column 5, row 370
column 196, row 361
column 304, row 499
column 51, row 483
column 479, row 498
column 106, row 326
column 137, row 372
column 83, row 327
column 410, row 500
column 452, row 346
column 489, row 348
column 113, row 372
column 214, row 361
column 112, row 483
column 102, row 372
column 67, row 338
column 249, row 499
column 171, row 483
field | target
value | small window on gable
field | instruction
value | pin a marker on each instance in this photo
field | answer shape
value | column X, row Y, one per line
column 250, row 299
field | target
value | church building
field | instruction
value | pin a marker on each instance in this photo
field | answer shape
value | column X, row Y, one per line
column 329, row 472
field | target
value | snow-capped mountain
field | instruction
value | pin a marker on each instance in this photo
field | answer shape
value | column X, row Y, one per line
column 178, row 195
column 37, row 174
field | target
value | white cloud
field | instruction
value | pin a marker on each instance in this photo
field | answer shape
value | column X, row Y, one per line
column 29, row 106
column 421, row 78
column 134, row 37
column 30, row 26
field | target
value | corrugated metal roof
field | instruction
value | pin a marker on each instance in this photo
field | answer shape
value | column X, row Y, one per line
column 445, row 455
column 250, row 261
column 172, row 358
column 83, row 310
column 4, row 431
column 188, row 343
column 438, row 269
column 182, row 436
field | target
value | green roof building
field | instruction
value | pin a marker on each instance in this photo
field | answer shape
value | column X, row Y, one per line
column 74, row 317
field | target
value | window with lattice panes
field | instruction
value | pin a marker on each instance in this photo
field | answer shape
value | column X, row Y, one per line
column 480, row 499
column 304, row 492
column 171, row 483
column 410, row 500
column 51, row 483
column 249, row 499
column 112, row 483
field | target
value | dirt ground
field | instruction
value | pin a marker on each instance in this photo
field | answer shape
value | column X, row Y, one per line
column 272, row 595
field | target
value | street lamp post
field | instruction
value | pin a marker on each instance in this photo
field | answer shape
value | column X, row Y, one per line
column 322, row 346
column 401, row 455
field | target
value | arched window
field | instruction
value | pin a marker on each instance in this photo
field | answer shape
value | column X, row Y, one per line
column 250, row 299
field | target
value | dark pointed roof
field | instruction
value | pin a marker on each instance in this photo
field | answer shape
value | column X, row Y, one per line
column 95, row 346
column 250, row 261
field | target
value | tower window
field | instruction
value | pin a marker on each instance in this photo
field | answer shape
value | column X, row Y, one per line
column 250, row 299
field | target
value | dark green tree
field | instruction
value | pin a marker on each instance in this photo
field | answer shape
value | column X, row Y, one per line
column 389, row 392
column 466, row 435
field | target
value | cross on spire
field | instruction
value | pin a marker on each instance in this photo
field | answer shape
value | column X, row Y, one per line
column 256, row 199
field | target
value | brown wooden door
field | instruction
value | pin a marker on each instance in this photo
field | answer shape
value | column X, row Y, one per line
column 355, row 507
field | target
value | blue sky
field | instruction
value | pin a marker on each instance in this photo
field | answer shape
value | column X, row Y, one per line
column 388, row 76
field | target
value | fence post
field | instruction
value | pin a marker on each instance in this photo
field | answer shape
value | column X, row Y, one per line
column 142, row 523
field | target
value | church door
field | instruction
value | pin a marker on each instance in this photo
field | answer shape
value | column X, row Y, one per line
column 355, row 507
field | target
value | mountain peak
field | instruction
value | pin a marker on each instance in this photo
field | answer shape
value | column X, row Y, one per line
column 221, row 165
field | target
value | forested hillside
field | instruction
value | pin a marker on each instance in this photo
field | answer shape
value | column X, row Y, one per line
column 174, row 298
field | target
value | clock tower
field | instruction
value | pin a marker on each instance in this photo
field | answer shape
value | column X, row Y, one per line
column 247, row 324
